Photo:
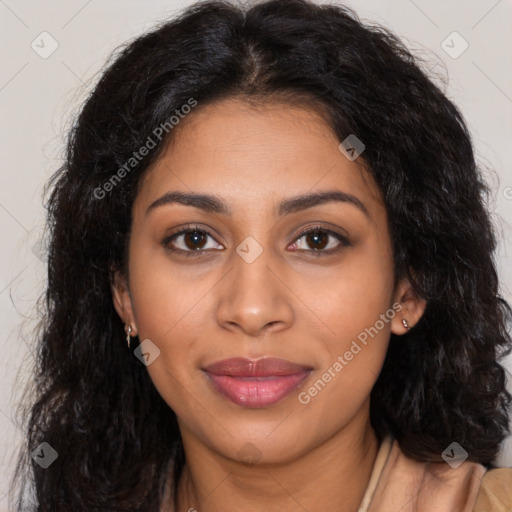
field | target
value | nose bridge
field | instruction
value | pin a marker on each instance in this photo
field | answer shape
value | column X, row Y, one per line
column 252, row 270
column 253, row 297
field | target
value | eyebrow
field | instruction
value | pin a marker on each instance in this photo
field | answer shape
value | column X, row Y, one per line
column 214, row 204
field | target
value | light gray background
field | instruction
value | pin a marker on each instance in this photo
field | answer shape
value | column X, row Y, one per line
column 39, row 95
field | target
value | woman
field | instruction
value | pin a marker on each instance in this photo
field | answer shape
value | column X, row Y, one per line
column 271, row 281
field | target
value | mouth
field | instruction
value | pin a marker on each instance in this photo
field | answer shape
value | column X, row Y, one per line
column 256, row 384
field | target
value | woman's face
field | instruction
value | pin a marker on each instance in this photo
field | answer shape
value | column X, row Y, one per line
column 256, row 287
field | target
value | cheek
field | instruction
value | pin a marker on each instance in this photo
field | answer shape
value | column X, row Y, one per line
column 356, row 307
column 352, row 297
column 170, row 308
column 169, row 311
column 164, row 296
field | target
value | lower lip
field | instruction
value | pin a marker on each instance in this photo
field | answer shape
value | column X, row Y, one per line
column 251, row 393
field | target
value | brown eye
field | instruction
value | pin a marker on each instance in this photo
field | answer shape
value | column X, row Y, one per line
column 194, row 239
column 320, row 241
column 189, row 241
column 317, row 239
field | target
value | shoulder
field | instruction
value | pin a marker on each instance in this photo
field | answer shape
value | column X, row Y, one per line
column 495, row 493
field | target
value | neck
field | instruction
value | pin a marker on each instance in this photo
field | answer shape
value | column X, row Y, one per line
column 332, row 476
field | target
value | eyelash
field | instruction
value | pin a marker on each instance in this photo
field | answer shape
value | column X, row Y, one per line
column 315, row 229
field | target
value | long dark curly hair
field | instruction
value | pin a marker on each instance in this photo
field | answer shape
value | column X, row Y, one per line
column 116, row 438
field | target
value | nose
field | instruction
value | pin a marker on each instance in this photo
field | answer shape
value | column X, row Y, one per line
column 255, row 298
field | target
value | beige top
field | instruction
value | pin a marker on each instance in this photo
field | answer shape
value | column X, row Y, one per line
column 400, row 483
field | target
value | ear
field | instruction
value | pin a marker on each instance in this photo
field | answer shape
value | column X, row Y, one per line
column 412, row 310
column 122, row 300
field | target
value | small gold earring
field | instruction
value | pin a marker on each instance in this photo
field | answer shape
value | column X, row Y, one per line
column 405, row 324
column 129, row 331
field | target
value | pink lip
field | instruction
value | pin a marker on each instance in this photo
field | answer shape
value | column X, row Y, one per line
column 256, row 384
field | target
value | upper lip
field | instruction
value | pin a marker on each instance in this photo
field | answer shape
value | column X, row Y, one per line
column 265, row 367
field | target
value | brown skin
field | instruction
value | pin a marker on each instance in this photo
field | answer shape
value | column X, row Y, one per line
column 287, row 303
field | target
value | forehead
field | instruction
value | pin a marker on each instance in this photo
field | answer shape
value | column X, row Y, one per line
column 249, row 154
